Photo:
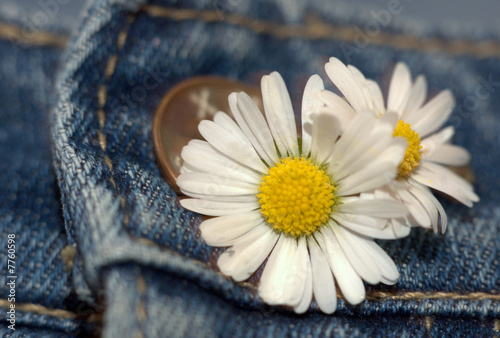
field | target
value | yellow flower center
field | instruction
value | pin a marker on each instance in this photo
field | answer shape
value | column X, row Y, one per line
column 412, row 155
column 296, row 197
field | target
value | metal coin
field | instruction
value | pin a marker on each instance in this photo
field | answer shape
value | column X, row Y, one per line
column 181, row 110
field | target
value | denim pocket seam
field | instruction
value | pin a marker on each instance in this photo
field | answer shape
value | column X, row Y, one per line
column 102, row 99
column 316, row 29
column 371, row 295
column 43, row 310
column 428, row 324
column 141, row 286
column 15, row 33
column 432, row 295
column 140, row 309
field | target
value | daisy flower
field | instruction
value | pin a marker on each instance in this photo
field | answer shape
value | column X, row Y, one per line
column 297, row 204
column 429, row 146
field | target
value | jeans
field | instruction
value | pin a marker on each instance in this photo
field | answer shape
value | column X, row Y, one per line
column 30, row 206
column 139, row 258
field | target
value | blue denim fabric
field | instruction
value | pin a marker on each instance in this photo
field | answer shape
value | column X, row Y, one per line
column 140, row 254
column 30, row 204
column 143, row 251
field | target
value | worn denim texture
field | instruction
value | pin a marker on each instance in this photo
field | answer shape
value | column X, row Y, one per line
column 30, row 204
column 140, row 253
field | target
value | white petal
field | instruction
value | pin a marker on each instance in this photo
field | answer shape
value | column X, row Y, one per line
column 448, row 154
column 417, row 96
column 362, row 151
column 306, row 299
column 230, row 145
column 385, row 263
column 251, row 198
column 417, row 212
column 279, row 113
column 388, row 119
column 362, row 220
column 252, row 122
column 348, row 280
column 274, row 274
column 440, row 137
column 313, row 86
column 212, row 208
column 367, row 179
column 203, row 183
column 283, row 279
column 357, row 155
column 431, row 199
column 271, row 116
column 222, row 231
column 343, row 79
column 377, row 97
column 399, row 89
column 213, row 162
column 352, row 143
column 187, row 168
column 399, row 227
column 337, row 106
column 443, row 179
column 356, row 73
column 249, row 252
column 360, row 78
column 359, row 259
column 432, row 211
column 418, row 215
column 365, row 230
column 380, row 208
column 433, row 114
column 378, row 173
column 297, row 274
column 323, row 282
column 325, row 131
column 226, row 122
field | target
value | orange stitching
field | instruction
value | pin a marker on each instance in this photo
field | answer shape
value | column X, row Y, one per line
column 42, row 310
column 36, row 38
column 370, row 295
column 315, row 29
column 102, row 94
column 428, row 325
column 473, row 296
column 68, row 254
column 140, row 310
column 496, row 325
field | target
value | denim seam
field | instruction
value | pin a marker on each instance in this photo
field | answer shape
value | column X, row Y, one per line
column 428, row 324
column 140, row 310
column 38, row 38
column 379, row 296
column 315, row 29
column 102, row 98
column 370, row 295
column 39, row 309
column 473, row 296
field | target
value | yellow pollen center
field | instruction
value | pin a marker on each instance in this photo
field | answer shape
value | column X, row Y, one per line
column 412, row 155
column 296, row 197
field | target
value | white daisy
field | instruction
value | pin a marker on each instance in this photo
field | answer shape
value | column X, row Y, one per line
column 297, row 204
column 428, row 149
